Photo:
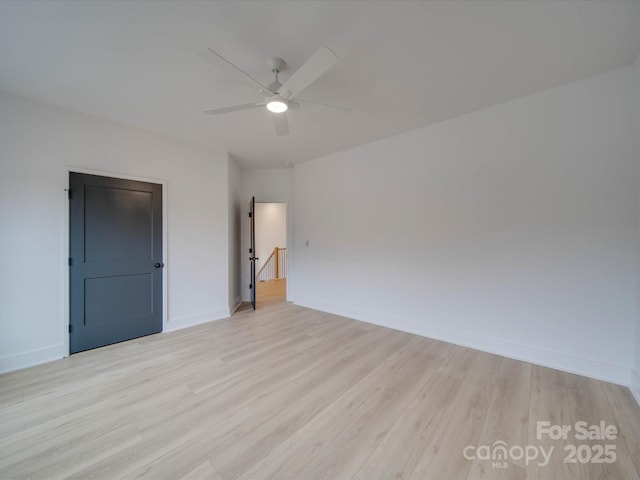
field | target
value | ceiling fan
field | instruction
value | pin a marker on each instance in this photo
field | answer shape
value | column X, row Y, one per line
column 278, row 96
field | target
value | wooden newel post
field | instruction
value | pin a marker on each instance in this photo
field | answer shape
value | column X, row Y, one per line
column 277, row 262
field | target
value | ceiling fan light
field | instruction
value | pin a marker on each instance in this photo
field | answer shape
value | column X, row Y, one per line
column 277, row 105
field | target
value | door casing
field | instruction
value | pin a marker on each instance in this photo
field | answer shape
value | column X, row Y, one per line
column 64, row 185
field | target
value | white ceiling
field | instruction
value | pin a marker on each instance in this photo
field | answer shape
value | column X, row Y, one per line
column 402, row 65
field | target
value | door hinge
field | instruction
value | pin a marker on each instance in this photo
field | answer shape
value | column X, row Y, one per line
column 250, row 214
column 70, row 262
column 70, row 328
column 250, row 286
column 69, row 194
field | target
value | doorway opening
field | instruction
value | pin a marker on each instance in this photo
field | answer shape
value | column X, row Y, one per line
column 271, row 252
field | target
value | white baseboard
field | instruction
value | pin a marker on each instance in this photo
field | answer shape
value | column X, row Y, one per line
column 31, row 358
column 48, row 354
column 197, row 319
column 527, row 353
column 234, row 306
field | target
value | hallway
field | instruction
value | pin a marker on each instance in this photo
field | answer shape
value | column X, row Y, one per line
column 271, row 291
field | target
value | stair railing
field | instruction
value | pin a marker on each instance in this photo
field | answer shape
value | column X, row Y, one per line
column 275, row 267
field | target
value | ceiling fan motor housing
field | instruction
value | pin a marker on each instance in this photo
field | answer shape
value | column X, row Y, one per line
column 276, row 65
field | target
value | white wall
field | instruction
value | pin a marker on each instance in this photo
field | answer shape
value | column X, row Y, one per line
column 271, row 230
column 39, row 143
column 270, row 186
column 234, row 219
column 511, row 230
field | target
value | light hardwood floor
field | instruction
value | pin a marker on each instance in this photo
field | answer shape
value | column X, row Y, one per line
column 270, row 291
column 285, row 393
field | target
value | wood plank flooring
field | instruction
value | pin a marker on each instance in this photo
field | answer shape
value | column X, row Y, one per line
column 290, row 393
column 271, row 290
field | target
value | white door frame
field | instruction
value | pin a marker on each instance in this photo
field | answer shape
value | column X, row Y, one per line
column 65, row 241
column 245, row 250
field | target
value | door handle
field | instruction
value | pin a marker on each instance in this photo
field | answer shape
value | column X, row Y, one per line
column 159, row 265
column 253, row 258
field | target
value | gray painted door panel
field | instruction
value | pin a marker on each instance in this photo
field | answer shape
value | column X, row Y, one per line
column 252, row 251
column 116, row 260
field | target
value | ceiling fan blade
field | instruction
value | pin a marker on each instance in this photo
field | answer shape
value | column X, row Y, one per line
column 304, row 100
column 219, row 61
column 234, row 108
column 281, row 123
column 309, row 72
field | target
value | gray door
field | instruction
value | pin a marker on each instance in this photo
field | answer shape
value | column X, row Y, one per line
column 252, row 251
column 115, row 260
